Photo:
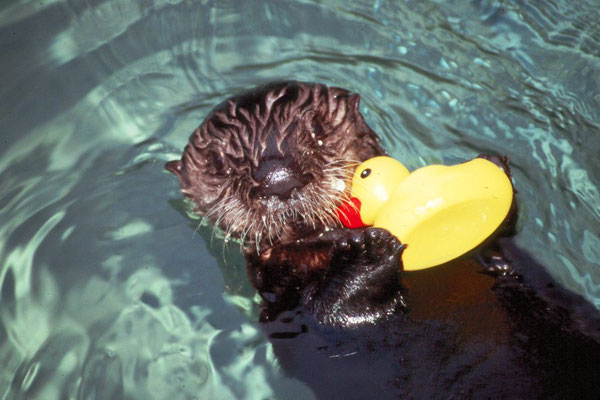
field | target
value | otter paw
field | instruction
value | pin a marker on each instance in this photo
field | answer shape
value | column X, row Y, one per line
column 362, row 283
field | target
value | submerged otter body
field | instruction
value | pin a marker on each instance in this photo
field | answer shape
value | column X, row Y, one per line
column 270, row 166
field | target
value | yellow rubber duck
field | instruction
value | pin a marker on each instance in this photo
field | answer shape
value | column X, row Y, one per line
column 440, row 212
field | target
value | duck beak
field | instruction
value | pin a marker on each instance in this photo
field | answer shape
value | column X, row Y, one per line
column 349, row 214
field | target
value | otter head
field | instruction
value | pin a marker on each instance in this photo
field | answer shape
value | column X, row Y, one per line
column 273, row 163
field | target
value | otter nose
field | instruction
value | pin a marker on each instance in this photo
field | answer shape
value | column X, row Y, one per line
column 277, row 177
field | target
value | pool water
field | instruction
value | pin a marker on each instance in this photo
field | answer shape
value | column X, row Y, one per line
column 110, row 288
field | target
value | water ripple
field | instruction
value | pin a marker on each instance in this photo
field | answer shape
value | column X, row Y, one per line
column 96, row 248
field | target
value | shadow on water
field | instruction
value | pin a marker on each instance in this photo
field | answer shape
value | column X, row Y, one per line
column 106, row 292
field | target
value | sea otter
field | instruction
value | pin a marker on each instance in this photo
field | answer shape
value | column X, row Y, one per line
column 270, row 166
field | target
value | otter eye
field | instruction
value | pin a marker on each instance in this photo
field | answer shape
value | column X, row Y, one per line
column 216, row 162
column 219, row 164
column 365, row 173
column 317, row 129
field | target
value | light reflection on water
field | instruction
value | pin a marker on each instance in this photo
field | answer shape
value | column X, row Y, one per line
column 105, row 290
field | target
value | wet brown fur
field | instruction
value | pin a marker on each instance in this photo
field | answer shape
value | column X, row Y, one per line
column 316, row 129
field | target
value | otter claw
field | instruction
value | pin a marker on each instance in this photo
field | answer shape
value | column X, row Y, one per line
column 367, row 246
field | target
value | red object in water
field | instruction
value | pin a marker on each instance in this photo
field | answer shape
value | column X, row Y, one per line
column 349, row 213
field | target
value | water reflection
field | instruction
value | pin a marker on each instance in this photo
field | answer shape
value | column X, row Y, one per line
column 107, row 293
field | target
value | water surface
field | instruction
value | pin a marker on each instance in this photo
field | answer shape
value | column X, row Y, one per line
column 105, row 289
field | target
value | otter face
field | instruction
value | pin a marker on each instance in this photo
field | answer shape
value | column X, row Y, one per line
column 273, row 163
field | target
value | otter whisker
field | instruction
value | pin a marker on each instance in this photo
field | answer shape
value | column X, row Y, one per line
column 245, row 233
column 218, row 206
column 253, row 228
column 197, row 228
column 308, row 214
column 224, row 213
column 256, row 242
column 271, row 223
column 318, row 215
column 324, row 215
column 264, row 221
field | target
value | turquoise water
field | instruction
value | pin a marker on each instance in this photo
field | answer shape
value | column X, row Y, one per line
column 107, row 292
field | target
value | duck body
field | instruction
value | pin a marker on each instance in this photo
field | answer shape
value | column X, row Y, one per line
column 440, row 212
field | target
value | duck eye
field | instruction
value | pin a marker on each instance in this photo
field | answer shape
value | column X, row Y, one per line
column 365, row 173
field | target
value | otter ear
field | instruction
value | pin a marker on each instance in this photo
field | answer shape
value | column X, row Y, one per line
column 354, row 101
column 174, row 167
